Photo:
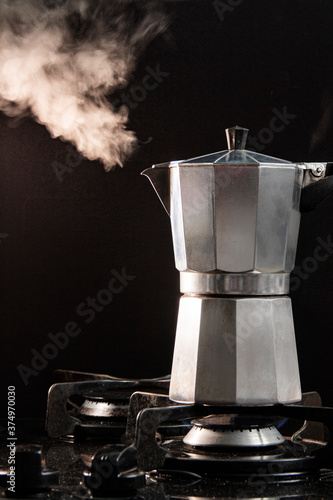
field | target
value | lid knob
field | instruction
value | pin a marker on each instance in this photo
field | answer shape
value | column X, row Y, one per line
column 236, row 137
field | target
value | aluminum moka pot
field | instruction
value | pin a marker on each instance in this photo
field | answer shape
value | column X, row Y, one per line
column 235, row 220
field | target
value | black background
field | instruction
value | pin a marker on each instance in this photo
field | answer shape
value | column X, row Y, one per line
column 64, row 238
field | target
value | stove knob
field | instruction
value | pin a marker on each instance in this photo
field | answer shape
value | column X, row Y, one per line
column 113, row 473
column 28, row 476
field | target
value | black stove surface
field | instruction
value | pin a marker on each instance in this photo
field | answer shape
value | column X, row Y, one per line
column 73, row 458
column 109, row 438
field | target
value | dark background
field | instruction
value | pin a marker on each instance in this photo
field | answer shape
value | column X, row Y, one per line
column 64, row 238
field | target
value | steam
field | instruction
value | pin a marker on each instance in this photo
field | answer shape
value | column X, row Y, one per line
column 59, row 60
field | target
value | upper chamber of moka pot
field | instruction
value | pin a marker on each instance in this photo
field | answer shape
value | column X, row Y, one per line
column 234, row 211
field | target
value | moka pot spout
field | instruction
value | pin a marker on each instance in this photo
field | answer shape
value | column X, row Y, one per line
column 159, row 176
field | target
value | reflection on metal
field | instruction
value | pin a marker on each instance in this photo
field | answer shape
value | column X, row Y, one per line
column 229, row 437
column 234, row 283
column 235, row 350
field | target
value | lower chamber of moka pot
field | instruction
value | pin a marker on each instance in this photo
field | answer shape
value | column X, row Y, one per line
column 235, row 350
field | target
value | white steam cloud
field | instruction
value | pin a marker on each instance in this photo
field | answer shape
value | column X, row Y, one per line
column 60, row 59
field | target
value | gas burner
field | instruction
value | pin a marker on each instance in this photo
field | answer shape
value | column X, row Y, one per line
column 99, row 415
column 95, row 408
column 232, row 432
column 227, row 447
column 104, row 405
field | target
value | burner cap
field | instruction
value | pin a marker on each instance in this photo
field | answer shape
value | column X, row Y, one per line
column 101, row 406
column 223, row 431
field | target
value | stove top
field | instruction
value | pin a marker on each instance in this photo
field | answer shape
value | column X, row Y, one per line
column 111, row 438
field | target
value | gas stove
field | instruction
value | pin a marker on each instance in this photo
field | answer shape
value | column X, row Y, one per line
column 231, row 420
column 113, row 438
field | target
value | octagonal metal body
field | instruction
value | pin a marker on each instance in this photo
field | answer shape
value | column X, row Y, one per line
column 235, row 351
column 235, row 217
